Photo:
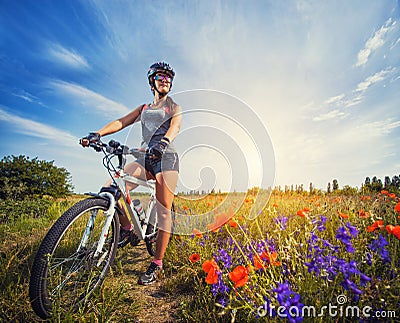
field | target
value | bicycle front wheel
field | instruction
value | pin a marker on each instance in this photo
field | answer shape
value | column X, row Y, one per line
column 66, row 269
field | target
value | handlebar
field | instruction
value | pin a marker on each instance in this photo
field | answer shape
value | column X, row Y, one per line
column 115, row 148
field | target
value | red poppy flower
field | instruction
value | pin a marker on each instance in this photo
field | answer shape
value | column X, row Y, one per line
column 212, row 269
column 240, row 276
column 301, row 213
column 363, row 214
column 389, row 228
column 397, row 208
column 395, row 230
column 343, row 215
column 258, row 263
column 233, row 224
column 194, row 257
column 266, row 259
column 375, row 225
column 197, row 233
column 384, row 192
column 392, row 195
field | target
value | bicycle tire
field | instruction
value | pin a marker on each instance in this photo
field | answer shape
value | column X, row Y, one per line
column 64, row 274
column 151, row 241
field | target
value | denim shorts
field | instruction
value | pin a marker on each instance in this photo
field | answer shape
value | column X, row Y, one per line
column 169, row 161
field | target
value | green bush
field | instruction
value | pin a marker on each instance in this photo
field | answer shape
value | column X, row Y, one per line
column 21, row 177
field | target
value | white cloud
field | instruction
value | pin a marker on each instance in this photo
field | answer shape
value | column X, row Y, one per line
column 371, row 80
column 334, row 114
column 90, row 98
column 37, row 129
column 334, row 99
column 395, row 43
column 25, row 96
column 378, row 128
column 67, row 57
column 32, row 99
column 354, row 97
column 374, row 42
column 353, row 101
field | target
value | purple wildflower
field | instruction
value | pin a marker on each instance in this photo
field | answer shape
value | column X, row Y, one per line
column 223, row 257
column 364, row 279
column 282, row 221
column 320, row 223
column 379, row 246
column 325, row 263
column 220, row 287
column 352, row 229
column 351, row 286
column 223, row 301
column 345, row 237
column 369, row 258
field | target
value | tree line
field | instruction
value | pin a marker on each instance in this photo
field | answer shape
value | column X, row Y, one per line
column 370, row 186
column 376, row 185
column 24, row 178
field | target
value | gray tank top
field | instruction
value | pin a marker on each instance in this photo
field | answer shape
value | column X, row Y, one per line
column 155, row 124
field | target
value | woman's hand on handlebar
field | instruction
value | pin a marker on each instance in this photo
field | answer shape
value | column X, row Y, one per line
column 93, row 137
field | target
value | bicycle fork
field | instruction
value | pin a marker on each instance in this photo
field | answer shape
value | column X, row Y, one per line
column 109, row 213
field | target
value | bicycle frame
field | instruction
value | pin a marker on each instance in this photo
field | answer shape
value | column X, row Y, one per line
column 120, row 180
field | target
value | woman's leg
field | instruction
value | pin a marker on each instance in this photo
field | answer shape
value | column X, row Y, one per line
column 165, row 187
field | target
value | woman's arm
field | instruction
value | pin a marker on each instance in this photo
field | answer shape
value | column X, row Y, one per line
column 121, row 123
column 175, row 125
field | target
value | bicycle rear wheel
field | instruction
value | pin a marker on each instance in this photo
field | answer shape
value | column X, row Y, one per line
column 65, row 271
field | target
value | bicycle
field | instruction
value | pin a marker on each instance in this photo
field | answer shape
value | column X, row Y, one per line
column 77, row 252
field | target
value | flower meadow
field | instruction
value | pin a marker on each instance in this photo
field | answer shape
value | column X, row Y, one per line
column 303, row 254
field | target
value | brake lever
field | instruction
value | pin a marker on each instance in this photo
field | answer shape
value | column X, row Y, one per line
column 96, row 146
column 120, row 152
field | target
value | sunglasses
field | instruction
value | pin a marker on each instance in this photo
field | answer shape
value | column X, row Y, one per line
column 161, row 77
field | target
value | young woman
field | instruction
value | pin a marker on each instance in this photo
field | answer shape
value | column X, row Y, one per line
column 161, row 121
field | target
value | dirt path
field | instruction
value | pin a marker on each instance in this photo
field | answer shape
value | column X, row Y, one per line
column 155, row 304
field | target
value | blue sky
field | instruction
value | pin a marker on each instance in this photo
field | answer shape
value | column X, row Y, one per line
column 323, row 77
